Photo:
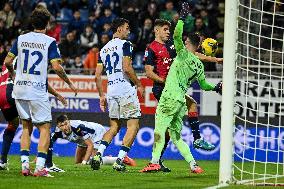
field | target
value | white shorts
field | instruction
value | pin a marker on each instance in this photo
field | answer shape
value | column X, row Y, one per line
column 125, row 107
column 96, row 138
column 37, row 111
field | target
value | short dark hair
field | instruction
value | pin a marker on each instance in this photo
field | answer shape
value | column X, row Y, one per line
column 40, row 18
column 95, row 46
column 161, row 22
column 61, row 118
column 198, row 18
column 194, row 38
column 116, row 23
column 169, row 1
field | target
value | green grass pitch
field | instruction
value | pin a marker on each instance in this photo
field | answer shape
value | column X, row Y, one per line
column 82, row 177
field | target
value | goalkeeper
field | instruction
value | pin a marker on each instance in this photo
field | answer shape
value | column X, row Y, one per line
column 171, row 109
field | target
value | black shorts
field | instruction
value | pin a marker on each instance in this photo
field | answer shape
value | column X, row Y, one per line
column 157, row 91
column 10, row 113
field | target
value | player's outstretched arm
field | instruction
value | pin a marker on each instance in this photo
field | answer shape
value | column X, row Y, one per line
column 62, row 74
column 205, row 58
column 206, row 86
column 129, row 71
column 52, row 91
column 179, row 27
column 178, row 36
column 90, row 148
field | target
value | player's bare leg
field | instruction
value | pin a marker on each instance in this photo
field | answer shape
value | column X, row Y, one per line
column 43, row 145
column 8, row 137
column 194, row 124
column 112, row 132
column 107, row 138
column 132, row 130
column 25, row 146
column 129, row 137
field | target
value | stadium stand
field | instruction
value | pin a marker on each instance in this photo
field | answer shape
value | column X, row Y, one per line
column 70, row 19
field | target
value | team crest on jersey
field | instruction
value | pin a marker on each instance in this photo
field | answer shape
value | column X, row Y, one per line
column 146, row 54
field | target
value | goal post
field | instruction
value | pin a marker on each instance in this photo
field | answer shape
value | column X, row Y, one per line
column 227, row 119
column 252, row 117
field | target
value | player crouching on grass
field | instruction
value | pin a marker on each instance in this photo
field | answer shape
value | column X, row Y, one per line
column 186, row 68
column 87, row 136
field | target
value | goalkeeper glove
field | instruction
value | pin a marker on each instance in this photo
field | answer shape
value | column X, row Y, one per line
column 218, row 88
column 184, row 11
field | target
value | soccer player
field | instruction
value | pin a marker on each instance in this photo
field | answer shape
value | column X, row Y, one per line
column 158, row 59
column 87, row 136
column 185, row 69
column 122, row 100
column 35, row 50
column 9, row 110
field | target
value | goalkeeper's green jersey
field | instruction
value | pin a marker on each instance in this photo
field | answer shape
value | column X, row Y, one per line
column 185, row 69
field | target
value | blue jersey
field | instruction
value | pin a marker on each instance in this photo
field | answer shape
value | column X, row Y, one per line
column 34, row 51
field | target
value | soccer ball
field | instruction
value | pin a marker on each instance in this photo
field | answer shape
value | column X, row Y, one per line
column 209, row 46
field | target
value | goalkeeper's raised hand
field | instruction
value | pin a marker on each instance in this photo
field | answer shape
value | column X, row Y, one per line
column 218, row 88
column 184, row 11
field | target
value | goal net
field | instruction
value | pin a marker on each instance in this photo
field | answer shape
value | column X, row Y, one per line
column 258, row 133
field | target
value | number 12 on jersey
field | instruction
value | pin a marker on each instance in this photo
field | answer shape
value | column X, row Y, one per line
column 110, row 64
column 27, row 59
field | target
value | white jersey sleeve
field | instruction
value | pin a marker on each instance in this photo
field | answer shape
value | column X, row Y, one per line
column 34, row 52
column 111, row 57
column 85, row 129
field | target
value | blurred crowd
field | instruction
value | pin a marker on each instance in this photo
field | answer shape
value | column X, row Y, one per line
column 83, row 27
